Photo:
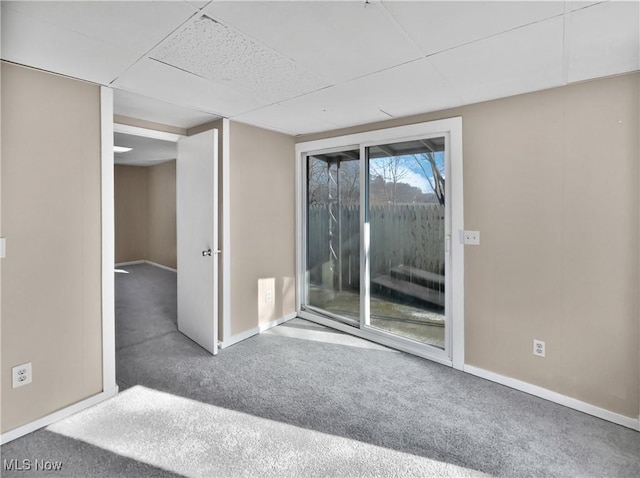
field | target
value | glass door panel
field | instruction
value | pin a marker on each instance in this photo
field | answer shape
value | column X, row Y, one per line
column 332, row 283
column 407, row 261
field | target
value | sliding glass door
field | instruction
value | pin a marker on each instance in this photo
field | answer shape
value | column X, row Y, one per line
column 375, row 251
column 333, row 234
column 407, row 220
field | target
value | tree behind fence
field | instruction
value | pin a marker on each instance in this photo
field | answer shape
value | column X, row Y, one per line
column 411, row 235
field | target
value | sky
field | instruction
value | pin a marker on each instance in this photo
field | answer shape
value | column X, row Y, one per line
column 413, row 174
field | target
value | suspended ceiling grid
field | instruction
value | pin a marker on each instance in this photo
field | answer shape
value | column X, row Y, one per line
column 301, row 67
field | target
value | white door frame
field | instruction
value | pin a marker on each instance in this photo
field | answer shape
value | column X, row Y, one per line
column 108, row 229
column 108, row 243
column 452, row 130
column 108, row 128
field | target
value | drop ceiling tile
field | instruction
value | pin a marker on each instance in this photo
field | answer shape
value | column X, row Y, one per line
column 603, row 40
column 133, row 25
column 439, row 26
column 342, row 105
column 157, row 80
column 337, row 40
column 150, row 109
column 285, row 120
column 515, row 62
column 214, row 51
column 412, row 88
column 199, row 4
column 572, row 5
column 145, row 151
column 30, row 41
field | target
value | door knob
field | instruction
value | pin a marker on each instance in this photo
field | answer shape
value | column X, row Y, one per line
column 206, row 253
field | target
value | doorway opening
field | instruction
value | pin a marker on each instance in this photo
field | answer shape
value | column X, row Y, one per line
column 166, row 247
column 145, row 238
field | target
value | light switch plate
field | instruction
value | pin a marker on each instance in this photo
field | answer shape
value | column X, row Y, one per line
column 3, row 247
column 472, row 238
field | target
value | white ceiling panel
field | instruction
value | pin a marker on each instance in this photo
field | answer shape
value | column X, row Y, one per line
column 572, row 5
column 412, row 88
column 199, row 4
column 519, row 61
column 415, row 87
column 603, row 40
column 337, row 40
column 30, row 41
column 157, row 80
column 286, row 120
column 134, row 25
column 145, row 151
column 343, row 105
column 439, row 26
column 214, row 51
column 150, row 109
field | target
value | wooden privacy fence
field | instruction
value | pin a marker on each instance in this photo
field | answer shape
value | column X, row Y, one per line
column 411, row 235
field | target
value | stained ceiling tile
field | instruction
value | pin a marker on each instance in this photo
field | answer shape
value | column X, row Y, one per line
column 132, row 25
column 603, row 40
column 30, row 41
column 337, row 40
column 519, row 61
column 157, row 80
column 286, row 120
column 439, row 26
column 150, row 109
column 214, row 51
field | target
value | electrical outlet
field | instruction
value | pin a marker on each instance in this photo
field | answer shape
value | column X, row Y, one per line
column 21, row 375
column 472, row 238
column 539, row 348
column 268, row 295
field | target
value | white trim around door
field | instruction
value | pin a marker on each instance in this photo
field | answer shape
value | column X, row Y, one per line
column 451, row 129
column 109, row 385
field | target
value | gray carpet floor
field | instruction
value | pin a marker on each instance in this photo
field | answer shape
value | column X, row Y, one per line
column 315, row 379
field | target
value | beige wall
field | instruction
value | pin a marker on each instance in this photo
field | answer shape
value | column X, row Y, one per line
column 551, row 180
column 161, row 219
column 51, row 288
column 262, row 197
column 131, row 212
column 145, row 213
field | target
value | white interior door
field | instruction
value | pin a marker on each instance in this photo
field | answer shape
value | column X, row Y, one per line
column 197, row 235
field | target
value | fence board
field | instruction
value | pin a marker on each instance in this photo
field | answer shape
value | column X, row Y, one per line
column 410, row 235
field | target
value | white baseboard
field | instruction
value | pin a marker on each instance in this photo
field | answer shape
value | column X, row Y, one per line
column 629, row 422
column 234, row 339
column 56, row 416
column 130, row 263
column 155, row 264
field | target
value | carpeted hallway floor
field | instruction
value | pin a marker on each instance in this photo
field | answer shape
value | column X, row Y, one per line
column 304, row 400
